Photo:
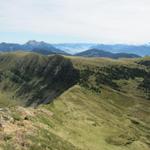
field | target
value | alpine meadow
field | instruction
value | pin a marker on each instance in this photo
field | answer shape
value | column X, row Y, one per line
column 83, row 83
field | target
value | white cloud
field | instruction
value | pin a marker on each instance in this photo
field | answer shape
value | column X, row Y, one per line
column 92, row 20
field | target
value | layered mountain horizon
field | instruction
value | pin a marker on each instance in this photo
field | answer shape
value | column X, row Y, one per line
column 31, row 45
column 127, row 51
column 101, row 53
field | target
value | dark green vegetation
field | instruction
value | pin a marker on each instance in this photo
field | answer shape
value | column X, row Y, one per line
column 92, row 103
column 35, row 78
column 94, row 78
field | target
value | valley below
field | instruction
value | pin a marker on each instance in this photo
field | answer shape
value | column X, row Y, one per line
column 61, row 102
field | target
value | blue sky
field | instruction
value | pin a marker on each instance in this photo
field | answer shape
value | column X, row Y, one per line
column 60, row 21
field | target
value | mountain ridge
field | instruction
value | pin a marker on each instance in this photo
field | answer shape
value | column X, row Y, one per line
column 101, row 53
column 31, row 45
column 139, row 49
column 72, row 48
column 142, row 50
column 53, row 74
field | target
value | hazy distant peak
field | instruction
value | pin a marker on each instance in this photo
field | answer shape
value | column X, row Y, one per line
column 34, row 42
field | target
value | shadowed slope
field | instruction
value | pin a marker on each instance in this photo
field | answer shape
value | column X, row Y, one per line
column 36, row 78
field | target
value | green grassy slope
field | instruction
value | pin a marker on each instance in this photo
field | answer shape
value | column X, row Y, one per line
column 107, row 109
column 81, row 119
column 19, row 131
column 36, row 78
column 111, row 120
column 127, row 75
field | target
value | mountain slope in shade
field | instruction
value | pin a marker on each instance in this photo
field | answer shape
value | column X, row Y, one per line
column 47, row 51
column 36, row 78
column 102, row 53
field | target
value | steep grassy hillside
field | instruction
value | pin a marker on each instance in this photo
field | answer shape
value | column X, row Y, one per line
column 80, row 119
column 100, row 104
column 35, row 78
column 18, row 130
column 121, row 75
column 111, row 120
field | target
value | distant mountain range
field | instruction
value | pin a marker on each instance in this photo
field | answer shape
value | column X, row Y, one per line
column 78, row 48
column 102, row 53
column 40, row 47
column 141, row 50
column 73, row 48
